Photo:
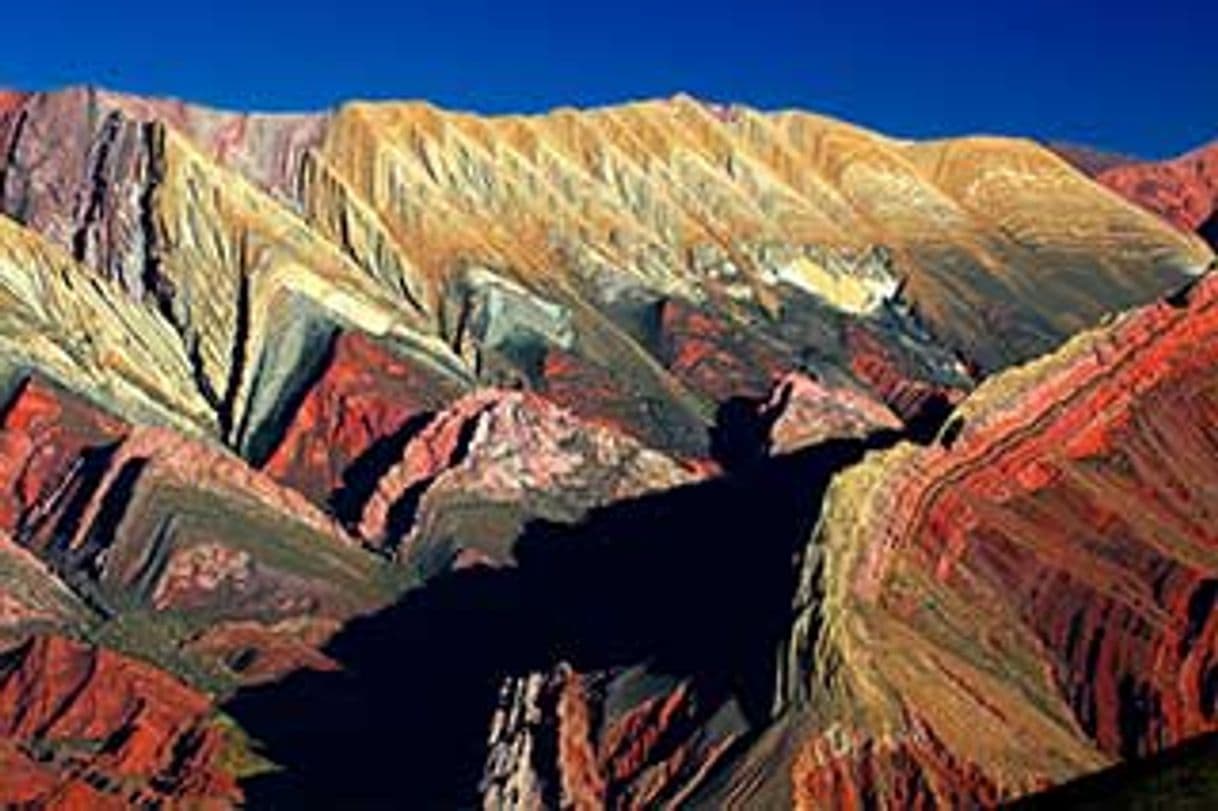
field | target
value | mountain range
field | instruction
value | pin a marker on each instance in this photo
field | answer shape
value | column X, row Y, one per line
column 665, row 454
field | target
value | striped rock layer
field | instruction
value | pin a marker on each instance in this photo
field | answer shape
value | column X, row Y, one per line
column 1029, row 597
column 263, row 377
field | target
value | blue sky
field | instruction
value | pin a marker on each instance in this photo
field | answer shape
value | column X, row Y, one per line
column 1136, row 77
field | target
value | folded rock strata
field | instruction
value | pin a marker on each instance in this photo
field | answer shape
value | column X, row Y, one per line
column 1029, row 597
column 623, row 260
column 262, row 376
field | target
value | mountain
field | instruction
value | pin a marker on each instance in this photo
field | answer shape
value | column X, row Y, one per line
column 1183, row 190
column 654, row 454
column 1088, row 159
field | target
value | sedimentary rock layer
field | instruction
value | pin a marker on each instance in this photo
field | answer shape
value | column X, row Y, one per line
column 1029, row 597
column 87, row 728
column 637, row 264
column 1184, row 190
column 573, row 384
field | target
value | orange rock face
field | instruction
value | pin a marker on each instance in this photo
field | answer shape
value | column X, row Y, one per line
column 88, row 728
column 10, row 99
column 1118, row 473
column 42, row 434
column 363, row 395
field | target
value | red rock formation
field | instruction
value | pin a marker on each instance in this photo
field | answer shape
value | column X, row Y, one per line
column 877, row 367
column 710, row 356
column 114, row 731
column 175, row 462
column 556, row 738
column 1027, row 600
column 56, row 146
column 807, row 411
column 441, row 445
column 608, row 398
column 721, row 360
column 1061, row 520
column 268, row 149
column 363, row 394
column 43, row 431
column 1183, row 191
column 1135, row 632
column 916, row 772
column 512, row 450
column 9, row 99
column 147, row 517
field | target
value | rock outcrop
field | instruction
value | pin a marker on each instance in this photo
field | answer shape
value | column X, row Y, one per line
column 637, row 264
column 566, row 739
column 1026, row 598
column 468, row 482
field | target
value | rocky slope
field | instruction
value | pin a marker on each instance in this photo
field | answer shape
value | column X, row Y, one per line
column 1029, row 597
column 497, row 444
column 1183, row 190
column 86, row 728
column 1026, row 598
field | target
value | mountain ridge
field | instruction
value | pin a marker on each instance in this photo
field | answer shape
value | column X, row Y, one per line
column 277, row 385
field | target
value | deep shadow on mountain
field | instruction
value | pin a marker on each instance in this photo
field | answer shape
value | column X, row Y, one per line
column 1184, row 776
column 1209, row 230
column 696, row 581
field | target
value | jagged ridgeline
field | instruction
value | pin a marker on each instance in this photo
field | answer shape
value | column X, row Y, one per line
column 655, row 454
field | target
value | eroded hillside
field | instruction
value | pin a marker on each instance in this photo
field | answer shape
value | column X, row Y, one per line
column 661, row 453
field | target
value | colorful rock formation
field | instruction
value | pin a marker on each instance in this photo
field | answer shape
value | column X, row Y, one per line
column 84, row 727
column 1184, row 191
column 492, row 451
column 1030, row 596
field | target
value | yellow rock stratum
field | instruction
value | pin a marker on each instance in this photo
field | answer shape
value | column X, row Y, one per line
column 1003, row 246
column 630, row 250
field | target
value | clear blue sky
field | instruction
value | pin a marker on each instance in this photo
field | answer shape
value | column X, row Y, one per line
column 1138, row 77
